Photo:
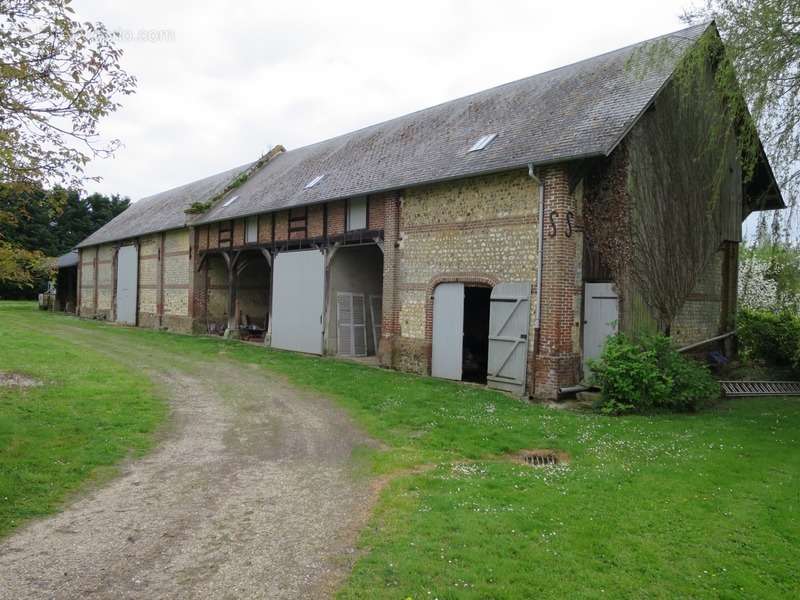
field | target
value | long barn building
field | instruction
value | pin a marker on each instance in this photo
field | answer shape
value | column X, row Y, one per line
column 478, row 240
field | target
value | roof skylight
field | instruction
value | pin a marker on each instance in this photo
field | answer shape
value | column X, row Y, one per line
column 483, row 142
column 230, row 201
column 314, row 181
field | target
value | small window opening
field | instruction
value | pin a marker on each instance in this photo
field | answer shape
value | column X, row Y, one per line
column 230, row 201
column 356, row 214
column 314, row 181
column 483, row 142
column 251, row 236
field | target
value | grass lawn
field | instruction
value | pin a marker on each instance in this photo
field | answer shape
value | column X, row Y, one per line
column 661, row 506
column 87, row 414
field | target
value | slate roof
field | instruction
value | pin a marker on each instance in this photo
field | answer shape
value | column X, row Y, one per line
column 70, row 259
column 161, row 211
column 580, row 110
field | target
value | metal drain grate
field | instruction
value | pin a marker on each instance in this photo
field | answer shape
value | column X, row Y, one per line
column 760, row 388
column 536, row 459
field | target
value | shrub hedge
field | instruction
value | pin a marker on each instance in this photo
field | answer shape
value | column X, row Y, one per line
column 648, row 374
column 770, row 337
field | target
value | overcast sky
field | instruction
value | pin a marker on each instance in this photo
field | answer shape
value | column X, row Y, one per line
column 220, row 83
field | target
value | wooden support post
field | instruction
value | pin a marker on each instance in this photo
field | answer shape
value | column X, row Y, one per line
column 78, row 291
column 231, row 260
column 270, row 257
column 160, row 281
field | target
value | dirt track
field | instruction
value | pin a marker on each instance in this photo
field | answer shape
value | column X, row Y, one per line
column 251, row 494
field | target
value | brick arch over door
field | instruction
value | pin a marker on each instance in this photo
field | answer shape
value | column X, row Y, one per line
column 469, row 279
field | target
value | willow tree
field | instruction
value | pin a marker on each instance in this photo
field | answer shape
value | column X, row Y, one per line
column 762, row 39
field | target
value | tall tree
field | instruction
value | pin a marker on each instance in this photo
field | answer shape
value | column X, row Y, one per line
column 36, row 224
column 58, row 78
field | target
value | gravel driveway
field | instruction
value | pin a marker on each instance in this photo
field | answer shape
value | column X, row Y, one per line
column 251, row 494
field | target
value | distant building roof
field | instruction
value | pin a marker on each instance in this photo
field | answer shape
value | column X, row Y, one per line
column 70, row 259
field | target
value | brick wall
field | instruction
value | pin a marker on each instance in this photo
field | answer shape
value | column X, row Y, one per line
column 149, row 249
column 105, row 280
column 336, row 217
column 265, row 228
column 480, row 230
column 376, row 210
column 557, row 363
column 699, row 318
column 315, row 222
column 177, row 278
column 281, row 225
column 165, row 280
column 86, row 269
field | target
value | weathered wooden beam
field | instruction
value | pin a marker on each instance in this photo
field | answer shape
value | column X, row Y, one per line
column 267, row 256
column 331, row 251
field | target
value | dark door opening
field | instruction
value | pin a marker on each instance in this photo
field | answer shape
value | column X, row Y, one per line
column 476, row 334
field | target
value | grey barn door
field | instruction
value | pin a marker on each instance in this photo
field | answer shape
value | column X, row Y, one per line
column 509, row 321
column 127, row 283
column 601, row 313
column 297, row 301
column 448, row 330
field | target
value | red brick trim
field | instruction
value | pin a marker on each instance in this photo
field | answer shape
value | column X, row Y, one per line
column 470, row 279
column 473, row 279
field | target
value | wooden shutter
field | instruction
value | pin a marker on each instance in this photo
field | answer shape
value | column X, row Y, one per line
column 351, row 324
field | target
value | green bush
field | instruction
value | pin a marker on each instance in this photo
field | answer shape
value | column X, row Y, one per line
column 647, row 374
column 769, row 337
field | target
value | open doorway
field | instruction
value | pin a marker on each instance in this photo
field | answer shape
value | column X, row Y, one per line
column 460, row 332
column 354, row 301
column 252, row 297
column 475, row 357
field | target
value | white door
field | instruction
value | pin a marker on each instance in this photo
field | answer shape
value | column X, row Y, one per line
column 601, row 313
column 351, row 322
column 509, row 322
column 448, row 330
column 297, row 301
column 127, row 282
